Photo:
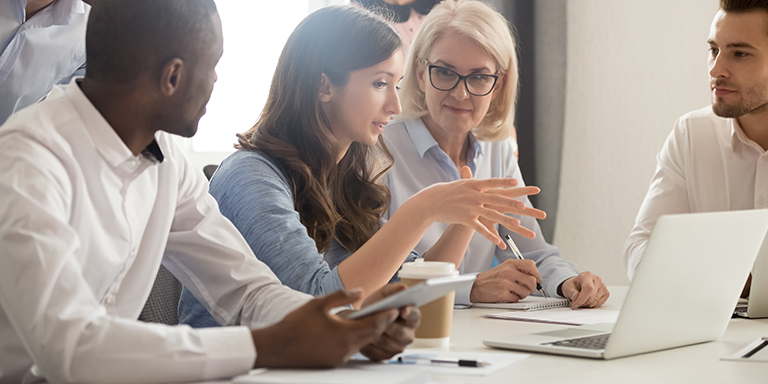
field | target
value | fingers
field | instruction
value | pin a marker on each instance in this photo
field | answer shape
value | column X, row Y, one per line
column 338, row 299
column 489, row 234
column 385, row 291
column 528, row 267
column 394, row 340
column 504, row 283
column 375, row 352
column 491, row 216
column 410, row 316
column 465, row 172
column 371, row 327
column 522, row 210
column 520, row 230
column 522, row 273
column 533, row 212
column 601, row 293
column 603, row 296
column 486, row 184
column 591, row 291
column 514, row 192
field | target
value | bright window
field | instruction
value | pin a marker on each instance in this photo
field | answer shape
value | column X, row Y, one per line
column 255, row 32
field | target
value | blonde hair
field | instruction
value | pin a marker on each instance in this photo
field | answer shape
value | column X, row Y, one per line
column 491, row 31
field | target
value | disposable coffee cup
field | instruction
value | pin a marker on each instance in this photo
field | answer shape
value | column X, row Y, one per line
column 436, row 317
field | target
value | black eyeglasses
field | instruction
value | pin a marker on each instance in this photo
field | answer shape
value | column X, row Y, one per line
column 444, row 79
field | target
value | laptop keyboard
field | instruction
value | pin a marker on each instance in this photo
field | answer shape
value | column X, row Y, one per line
column 596, row 342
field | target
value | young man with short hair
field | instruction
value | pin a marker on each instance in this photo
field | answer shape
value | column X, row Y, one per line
column 715, row 158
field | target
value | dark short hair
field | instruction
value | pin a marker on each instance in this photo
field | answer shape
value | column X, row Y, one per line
column 126, row 38
column 743, row 5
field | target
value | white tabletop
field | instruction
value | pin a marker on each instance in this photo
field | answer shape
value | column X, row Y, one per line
column 693, row 364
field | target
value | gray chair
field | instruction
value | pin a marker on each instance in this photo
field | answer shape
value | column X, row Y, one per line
column 163, row 302
column 162, row 305
column 209, row 170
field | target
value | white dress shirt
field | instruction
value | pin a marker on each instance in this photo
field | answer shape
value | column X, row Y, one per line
column 419, row 163
column 38, row 53
column 84, row 226
column 707, row 164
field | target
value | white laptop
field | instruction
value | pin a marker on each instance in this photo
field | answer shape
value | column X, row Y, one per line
column 757, row 305
column 684, row 292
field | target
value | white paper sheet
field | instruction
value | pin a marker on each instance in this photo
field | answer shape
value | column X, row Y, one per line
column 562, row 316
column 496, row 360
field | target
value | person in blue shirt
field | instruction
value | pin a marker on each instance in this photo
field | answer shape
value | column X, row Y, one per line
column 305, row 186
column 458, row 99
column 42, row 44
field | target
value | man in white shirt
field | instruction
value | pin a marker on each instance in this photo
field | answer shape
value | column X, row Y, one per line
column 42, row 43
column 715, row 158
column 95, row 195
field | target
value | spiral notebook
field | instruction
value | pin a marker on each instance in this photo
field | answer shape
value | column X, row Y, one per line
column 530, row 303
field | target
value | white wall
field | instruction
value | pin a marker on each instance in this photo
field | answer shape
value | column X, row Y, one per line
column 633, row 67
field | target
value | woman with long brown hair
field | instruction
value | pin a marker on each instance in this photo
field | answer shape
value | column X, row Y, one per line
column 305, row 188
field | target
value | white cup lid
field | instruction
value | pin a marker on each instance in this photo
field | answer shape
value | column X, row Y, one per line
column 421, row 269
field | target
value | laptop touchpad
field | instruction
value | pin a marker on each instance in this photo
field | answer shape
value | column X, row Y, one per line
column 569, row 333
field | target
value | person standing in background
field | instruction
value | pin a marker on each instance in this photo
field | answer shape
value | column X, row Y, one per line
column 43, row 44
column 406, row 15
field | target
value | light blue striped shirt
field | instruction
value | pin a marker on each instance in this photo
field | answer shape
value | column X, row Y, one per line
column 46, row 50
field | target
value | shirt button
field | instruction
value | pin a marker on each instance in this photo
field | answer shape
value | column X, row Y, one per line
column 132, row 163
column 761, row 201
column 110, row 299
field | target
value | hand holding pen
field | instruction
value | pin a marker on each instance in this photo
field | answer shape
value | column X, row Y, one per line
column 519, row 256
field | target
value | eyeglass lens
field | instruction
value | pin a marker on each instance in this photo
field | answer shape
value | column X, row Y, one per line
column 445, row 79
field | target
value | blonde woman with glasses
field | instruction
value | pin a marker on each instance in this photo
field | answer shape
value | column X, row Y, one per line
column 458, row 96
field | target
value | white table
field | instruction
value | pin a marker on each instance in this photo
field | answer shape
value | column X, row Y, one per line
column 693, row 364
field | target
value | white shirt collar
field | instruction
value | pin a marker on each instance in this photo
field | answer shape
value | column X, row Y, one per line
column 738, row 135
column 107, row 142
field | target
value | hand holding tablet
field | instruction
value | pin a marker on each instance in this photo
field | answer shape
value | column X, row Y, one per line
column 418, row 295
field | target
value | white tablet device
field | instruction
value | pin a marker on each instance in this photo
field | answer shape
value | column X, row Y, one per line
column 418, row 295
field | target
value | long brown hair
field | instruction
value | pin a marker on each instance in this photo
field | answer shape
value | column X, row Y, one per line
column 344, row 201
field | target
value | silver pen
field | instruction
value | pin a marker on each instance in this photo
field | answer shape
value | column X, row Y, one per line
column 519, row 256
column 459, row 362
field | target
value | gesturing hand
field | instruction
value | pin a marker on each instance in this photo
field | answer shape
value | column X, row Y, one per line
column 480, row 203
column 510, row 282
column 585, row 290
column 310, row 337
column 399, row 334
